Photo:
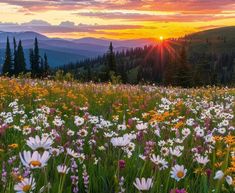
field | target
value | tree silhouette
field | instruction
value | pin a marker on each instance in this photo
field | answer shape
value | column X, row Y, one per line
column 20, row 60
column 7, row 66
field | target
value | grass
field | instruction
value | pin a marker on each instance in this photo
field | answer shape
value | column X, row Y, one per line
column 178, row 125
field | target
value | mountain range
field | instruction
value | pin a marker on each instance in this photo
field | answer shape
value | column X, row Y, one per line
column 63, row 51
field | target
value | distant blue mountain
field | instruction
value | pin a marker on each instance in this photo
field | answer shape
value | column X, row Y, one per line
column 63, row 51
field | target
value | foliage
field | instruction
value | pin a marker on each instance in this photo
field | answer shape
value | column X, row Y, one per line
column 7, row 66
column 172, row 62
column 159, row 129
column 39, row 66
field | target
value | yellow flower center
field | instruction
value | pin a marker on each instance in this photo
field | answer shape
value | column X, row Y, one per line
column 13, row 146
column 20, row 178
column 35, row 163
column 180, row 174
column 26, row 188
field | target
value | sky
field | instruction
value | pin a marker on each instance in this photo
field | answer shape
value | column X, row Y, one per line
column 116, row 19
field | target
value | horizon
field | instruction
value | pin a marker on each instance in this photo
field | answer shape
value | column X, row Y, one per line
column 118, row 20
column 160, row 38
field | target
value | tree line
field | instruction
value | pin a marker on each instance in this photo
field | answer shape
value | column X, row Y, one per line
column 15, row 63
column 177, row 66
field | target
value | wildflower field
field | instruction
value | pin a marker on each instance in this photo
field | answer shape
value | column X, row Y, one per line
column 63, row 137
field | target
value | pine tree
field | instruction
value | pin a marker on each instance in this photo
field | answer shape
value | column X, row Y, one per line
column 36, row 57
column 111, row 59
column 46, row 65
column 7, row 66
column 15, row 54
column 20, row 59
column 183, row 70
column 31, row 60
column 169, row 72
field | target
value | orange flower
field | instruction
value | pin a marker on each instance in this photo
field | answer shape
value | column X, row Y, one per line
column 218, row 164
column 229, row 139
column 220, row 153
column 217, row 138
column 179, row 124
column 13, row 146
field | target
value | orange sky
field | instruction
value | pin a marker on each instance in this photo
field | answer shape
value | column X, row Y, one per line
column 118, row 19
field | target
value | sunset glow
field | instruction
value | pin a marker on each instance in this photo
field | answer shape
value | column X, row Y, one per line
column 119, row 19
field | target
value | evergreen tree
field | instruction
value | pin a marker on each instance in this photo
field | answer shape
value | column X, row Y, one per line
column 169, row 73
column 31, row 60
column 7, row 66
column 183, row 72
column 20, row 59
column 111, row 59
column 15, row 54
column 46, row 65
column 36, row 57
column 123, row 73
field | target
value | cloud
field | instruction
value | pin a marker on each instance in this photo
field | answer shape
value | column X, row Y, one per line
column 189, row 6
column 158, row 18
column 127, row 16
column 36, row 23
column 64, row 27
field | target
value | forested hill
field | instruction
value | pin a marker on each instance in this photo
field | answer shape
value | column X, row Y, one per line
column 214, row 40
column 203, row 58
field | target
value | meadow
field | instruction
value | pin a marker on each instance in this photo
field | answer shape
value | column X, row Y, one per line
column 62, row 137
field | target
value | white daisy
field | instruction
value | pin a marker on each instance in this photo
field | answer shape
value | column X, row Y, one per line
column 121, row 127
column 34, row 160
column 160, row 162
column 63, row 169
column 72, row 153
column 202, row 160
column 37, row 143
column 143, row 185
column 142, row 126
column 78, row 121
column 70, row 132
column 82, row 133
column 178, row 172
column 26, row 185
column 175, row 152
column 219, row 175
column 229, row 180
column 120, row 141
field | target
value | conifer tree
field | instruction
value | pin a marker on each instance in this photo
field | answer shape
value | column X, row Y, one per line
column 183, row 70
column 31, row 60
column 20, row 59
column 111, row 59
column 7, row 66
column 15, row 54
column 46, row 65
column 36, row 57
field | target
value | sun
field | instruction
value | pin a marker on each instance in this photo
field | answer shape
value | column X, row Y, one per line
column 161, row 38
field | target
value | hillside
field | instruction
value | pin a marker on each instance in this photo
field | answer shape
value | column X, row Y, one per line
column 228, row 32
column 210, row 53
column 213, row 40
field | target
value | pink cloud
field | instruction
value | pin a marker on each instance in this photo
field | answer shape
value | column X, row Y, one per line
column 158, row 18
column 189, row 6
